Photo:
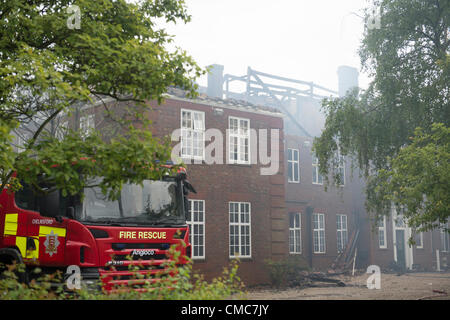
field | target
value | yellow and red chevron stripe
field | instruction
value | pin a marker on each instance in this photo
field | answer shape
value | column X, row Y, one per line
column 16, row 234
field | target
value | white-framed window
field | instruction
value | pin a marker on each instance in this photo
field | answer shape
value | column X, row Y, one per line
column 62, row 129
column 196, row 223
column 240, row 229
column 21, row 139
column 418, row 238
column 399, row 221
column 293, row 166
column 382, row 241
column 20, row 144
column 316, row 177
column 319, row 232
column 445, row 244
column 342, row 232
column 295, row 233
column 239, row 140
column 87, row 123
column 192, row 134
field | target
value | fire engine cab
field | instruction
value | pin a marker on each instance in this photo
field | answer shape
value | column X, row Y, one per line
column 102, row 237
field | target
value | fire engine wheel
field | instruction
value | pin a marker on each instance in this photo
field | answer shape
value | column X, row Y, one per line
column 10, row 256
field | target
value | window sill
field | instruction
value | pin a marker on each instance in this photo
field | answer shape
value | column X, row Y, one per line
column 241, row 258
column 190, row 160
column 239, row 164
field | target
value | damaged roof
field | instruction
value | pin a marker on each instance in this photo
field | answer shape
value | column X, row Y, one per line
column 179, row 94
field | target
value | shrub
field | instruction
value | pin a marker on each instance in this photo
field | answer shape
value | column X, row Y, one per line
column 181, row 284
column 287, row 272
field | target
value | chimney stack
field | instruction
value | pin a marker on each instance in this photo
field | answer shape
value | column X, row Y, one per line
column 215, row 81
column 348, row 79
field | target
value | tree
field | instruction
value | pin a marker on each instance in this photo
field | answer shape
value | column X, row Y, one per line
column 408, row 60
column 418, row 179
column 58, row 55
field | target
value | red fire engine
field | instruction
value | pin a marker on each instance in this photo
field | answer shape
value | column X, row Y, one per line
column 102, row 237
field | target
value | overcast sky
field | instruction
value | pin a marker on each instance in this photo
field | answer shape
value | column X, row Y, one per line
column 301, row 39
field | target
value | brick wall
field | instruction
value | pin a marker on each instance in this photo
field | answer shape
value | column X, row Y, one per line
column 307, row 197
column 218, row 184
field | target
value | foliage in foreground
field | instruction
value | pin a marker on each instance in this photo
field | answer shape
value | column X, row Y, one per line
column 52, row 73
column 184, row 285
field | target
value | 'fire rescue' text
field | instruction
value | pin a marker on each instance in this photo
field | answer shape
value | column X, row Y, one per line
column 142, row 235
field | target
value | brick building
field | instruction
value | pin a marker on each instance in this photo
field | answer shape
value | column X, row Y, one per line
column 328, row 226
column 321, row 223
column 331, row 220
column 327, row 219
column 237, row 211
column 239, row 208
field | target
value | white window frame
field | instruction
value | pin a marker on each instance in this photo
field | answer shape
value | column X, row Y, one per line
column 238, row 232
column 382, row 228
column 292, row 164
column 295, row 233
column 240, row 137
column 196, row 223
column 61, row 129
column 20, row 144
column 341, row 231
column 420, row 238
column 192, row 135
column 319, row 233
column 21, row 139
column 87, row 123
column 315, row 171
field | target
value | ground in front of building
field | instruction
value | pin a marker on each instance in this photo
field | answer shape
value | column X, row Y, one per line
column 408, row 286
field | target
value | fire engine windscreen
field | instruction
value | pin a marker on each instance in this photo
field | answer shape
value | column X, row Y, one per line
column 154, row 202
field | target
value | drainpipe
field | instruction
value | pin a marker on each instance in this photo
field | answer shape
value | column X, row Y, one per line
column 438, row 261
